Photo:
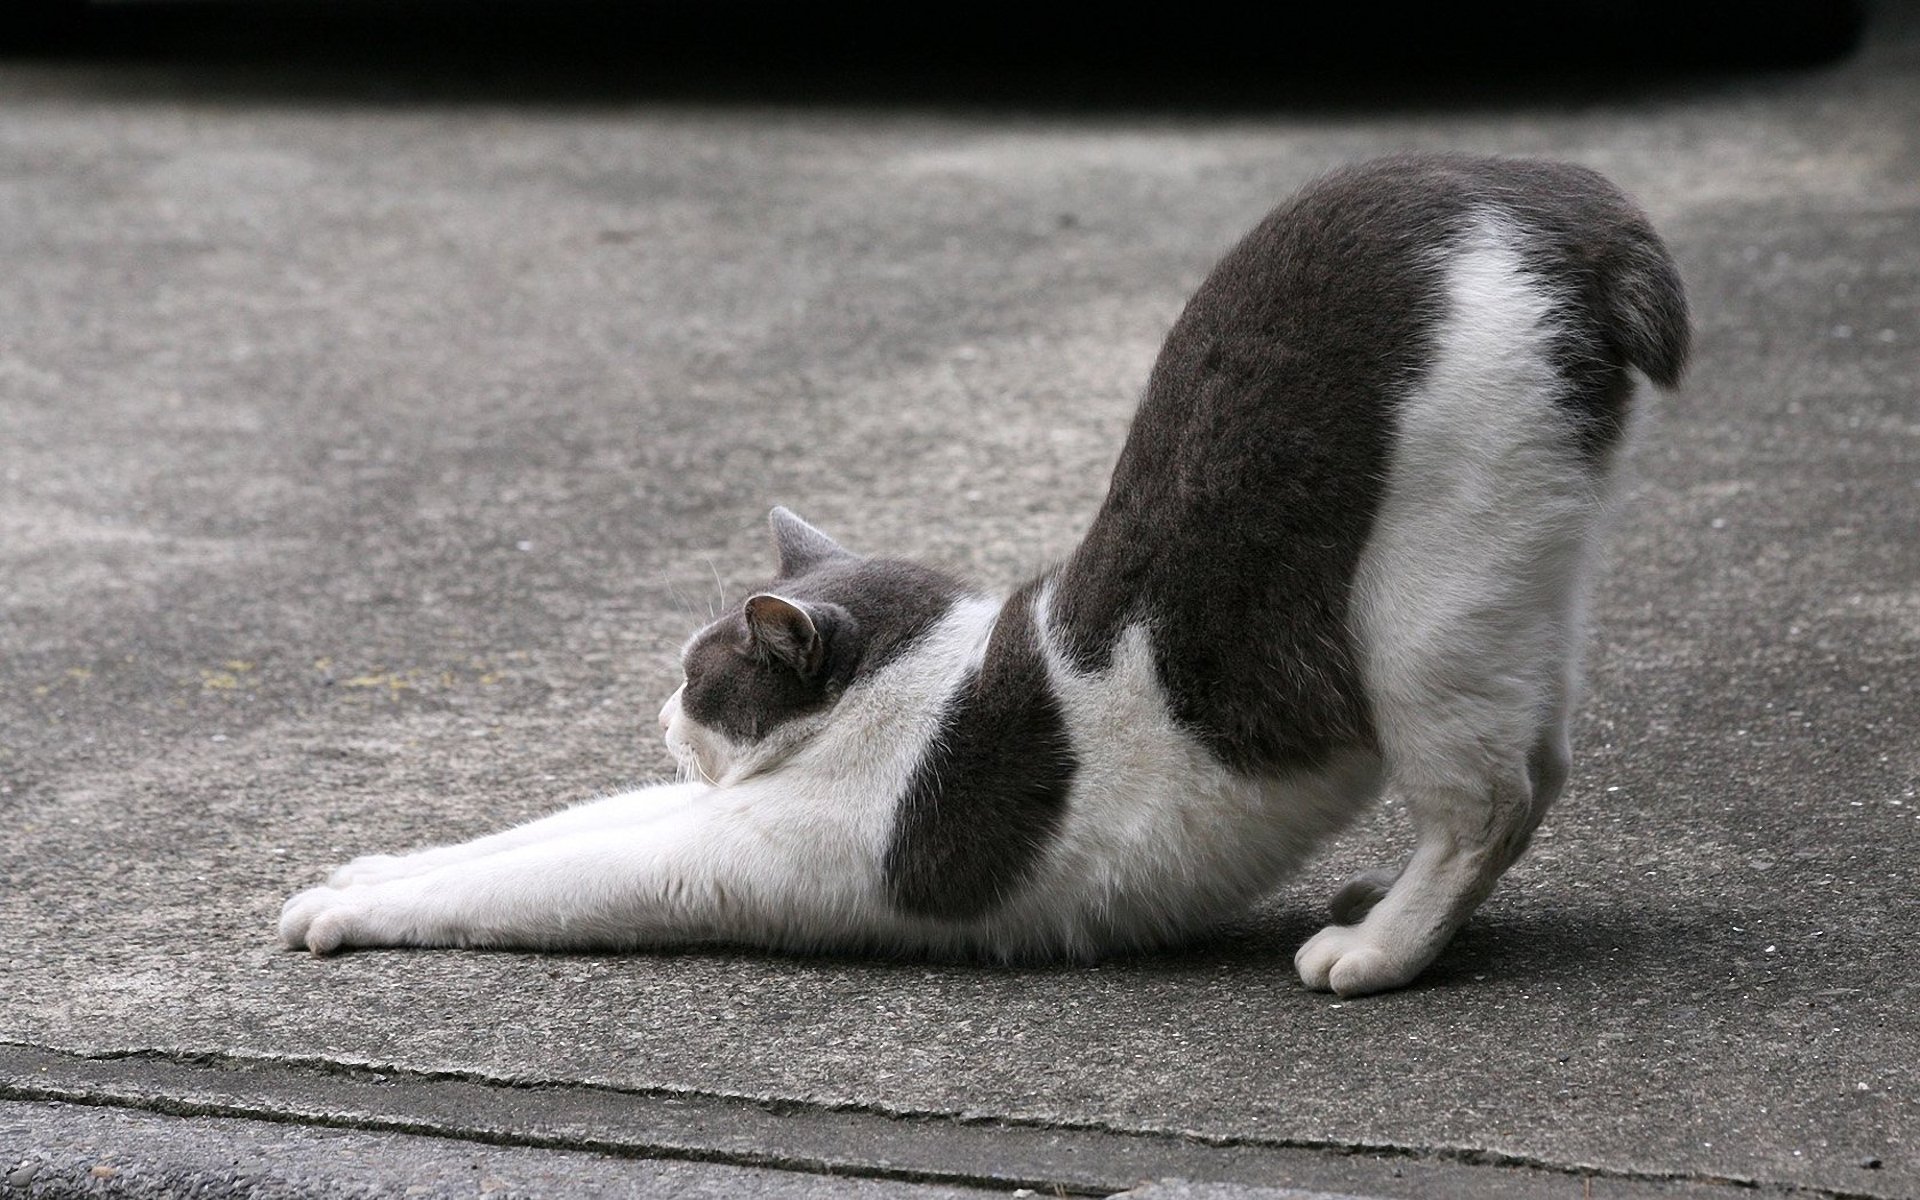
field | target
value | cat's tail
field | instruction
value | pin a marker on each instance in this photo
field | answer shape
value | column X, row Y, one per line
column 1647, row 306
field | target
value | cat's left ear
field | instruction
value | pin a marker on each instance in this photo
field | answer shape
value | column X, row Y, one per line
column 786, row 631
column 801, row 546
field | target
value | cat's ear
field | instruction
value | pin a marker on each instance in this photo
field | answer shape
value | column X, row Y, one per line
column 786, row 631
column 801, row 546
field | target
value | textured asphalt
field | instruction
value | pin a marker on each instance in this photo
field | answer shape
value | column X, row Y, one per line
column 365, row 454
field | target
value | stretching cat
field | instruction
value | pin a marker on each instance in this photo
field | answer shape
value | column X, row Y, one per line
column 1344, row 552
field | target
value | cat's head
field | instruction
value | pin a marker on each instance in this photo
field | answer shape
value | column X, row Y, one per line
column 764, row 679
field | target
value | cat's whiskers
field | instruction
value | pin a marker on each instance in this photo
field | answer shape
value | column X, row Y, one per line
column 678, row 599
column 690, row 769
column 701, row 769
column 720, row 589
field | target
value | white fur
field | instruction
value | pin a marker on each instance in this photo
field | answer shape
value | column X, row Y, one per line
column 1161, row 839
column 1466, row 611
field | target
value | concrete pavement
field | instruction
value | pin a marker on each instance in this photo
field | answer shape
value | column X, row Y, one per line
column 365, row 457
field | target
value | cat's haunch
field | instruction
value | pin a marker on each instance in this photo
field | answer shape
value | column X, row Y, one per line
column 1345, row 552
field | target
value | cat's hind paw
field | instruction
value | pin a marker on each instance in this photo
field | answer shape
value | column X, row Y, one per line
column 1344, row 959
column 1358, row 895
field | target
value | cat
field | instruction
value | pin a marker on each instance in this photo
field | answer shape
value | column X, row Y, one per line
column 1345, row 552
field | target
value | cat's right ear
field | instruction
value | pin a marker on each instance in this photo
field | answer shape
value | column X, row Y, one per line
column 801, row 546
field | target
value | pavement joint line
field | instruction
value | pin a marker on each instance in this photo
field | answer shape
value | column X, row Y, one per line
column 355, row 1072
column 165, row 1106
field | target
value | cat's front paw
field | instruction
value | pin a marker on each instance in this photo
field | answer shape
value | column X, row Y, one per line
column 326, row 919
column 317, row 919
column 1346, row 960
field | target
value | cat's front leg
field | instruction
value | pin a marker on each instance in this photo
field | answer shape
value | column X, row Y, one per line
column 737, row 866
column 607, row 813
column 580, row 891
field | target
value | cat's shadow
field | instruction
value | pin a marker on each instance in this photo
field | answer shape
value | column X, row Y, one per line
column 1529, row 948
column 1526, row 949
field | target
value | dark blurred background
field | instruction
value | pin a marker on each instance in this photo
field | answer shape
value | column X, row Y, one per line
column 1187, row 53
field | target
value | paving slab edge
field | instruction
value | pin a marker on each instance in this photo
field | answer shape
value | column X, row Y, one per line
column 362, row 1073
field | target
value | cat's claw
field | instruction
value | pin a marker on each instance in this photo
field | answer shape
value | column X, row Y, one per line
column 1345, row 960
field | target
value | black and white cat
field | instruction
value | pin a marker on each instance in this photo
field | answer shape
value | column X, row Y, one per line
column 1345, row 551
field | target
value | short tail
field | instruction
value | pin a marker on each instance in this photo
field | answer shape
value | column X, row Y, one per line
column 1648, row 308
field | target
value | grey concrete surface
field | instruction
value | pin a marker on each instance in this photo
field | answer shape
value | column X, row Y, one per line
column 57, row 1151
column 1180, row 1189
column 804, row 1140
column 62, row 1150
column 362, row 463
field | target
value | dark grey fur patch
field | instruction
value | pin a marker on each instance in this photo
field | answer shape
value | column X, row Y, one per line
column 991, row 793
column 1250, row 480
column 868, row 611
column 736, row 687
column 800, row 545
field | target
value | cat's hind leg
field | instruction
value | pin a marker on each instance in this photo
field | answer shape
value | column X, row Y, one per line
column 1472, row 689
column 1477, row 775
column 1469, row 832
column 1548, row 767
column 1466, row 608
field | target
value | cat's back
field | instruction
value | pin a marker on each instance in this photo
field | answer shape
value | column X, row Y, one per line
column 1273, row 421
column 1324, row 315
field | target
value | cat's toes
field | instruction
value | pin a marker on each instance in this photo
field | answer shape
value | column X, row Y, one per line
column 326, row 919
column 301, row 912
column 368, row 868
column 330, row 931
column 1358, row 895
column 396, row 913
column 1344, row 959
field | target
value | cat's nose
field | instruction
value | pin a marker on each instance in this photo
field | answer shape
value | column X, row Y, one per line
column 666, row 715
